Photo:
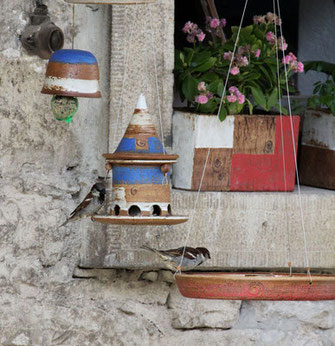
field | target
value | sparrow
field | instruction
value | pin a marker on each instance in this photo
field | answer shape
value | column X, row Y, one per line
column 90, row 205
column 192, row 257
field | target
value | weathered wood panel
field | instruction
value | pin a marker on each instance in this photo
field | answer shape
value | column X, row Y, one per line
column 317, row 167
column 254, row 135
column 217, row 174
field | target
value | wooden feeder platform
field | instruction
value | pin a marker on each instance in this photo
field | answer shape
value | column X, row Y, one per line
column 140, row 220
column 256, row 286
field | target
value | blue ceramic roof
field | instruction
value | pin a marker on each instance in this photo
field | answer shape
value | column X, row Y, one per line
column 73, row 56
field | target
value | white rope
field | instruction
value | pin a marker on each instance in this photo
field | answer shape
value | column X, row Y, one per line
column 125, row 65
column 295, row 154
column 209, row 149
column 282, row 144
column 153, row 46
column 232, row 58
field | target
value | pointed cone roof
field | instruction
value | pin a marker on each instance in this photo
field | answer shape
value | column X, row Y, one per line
column 141, row 136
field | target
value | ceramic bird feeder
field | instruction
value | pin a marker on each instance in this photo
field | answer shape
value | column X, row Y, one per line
column 141, row 170
column 111, row 2
column 71, row 73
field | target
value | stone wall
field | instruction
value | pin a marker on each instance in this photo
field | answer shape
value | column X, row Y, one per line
column 46, row 168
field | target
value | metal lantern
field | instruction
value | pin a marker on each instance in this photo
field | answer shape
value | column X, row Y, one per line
column 141, row 170
column 71, row 73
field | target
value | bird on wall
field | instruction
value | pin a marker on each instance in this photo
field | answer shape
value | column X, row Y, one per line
column 90, row 205
column 192, row 257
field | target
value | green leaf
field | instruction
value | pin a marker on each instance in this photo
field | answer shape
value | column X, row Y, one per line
column 259, row 97
column 220, row 88
column 273, row 98
column 210, row 77
column 223, row 113
column 283, row 109
column 250, row 106
column 189, row 88
column 206, row 65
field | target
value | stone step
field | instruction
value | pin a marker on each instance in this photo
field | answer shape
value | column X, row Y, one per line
column 242, row 230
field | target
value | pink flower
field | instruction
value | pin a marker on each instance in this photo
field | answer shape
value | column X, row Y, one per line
column 214, row 23
column 270, row 36
column 259, row 19
column 231, row 98
column 227, row 56
column 300, row 67
column 282, row 44
column 210, row 95
column 201, row 36
column 223, row 22
column 241, row 99
column 190, row 38
column 202, row 99
column 289, row 58
column 187, row 27
column 242, row 61
column 233, row 90
column 257, row 53
column 235, row 70
column 202, row 86
column 235, row 95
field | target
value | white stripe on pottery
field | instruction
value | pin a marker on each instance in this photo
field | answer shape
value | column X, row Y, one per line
column 213, row 133
column 71, row 84
column 141, row 118
column 141, row 103
column 319, row 129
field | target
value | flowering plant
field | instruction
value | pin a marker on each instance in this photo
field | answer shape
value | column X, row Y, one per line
column 324, row 92
column 201, row 71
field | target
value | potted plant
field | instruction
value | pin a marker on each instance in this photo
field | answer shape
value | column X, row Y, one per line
column 317, row 156
column 246, row 150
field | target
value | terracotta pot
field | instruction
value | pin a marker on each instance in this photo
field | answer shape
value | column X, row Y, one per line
column 256, row 286
column 246, row 152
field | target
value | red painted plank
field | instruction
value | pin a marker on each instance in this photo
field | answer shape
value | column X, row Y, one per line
column 266, row 172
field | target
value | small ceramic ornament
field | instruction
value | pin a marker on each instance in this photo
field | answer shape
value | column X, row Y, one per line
column 71, row 73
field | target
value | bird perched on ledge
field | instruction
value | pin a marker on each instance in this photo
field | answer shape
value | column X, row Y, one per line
column 90, row 205
column 192, row 257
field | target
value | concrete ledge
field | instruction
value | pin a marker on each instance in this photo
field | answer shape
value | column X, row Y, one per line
column 241, row 230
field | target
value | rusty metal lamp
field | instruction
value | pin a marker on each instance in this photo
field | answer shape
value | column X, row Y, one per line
column 41, row 36
column 70, row 73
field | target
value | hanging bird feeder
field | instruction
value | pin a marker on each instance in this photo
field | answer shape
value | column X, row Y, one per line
column 71, row 73
column 141, row 170
column 256, row 286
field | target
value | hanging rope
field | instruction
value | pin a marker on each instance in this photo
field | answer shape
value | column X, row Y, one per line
column 125, row 66
column 295, row 154
column 156, row 75
column 73, row 26
column 209, row 149
column 289, row 261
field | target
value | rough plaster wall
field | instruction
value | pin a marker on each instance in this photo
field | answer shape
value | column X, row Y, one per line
column 316, row 38
column 46, row 168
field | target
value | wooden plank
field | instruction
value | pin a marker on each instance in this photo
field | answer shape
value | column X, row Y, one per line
column 254, row 135
column 217, row 174
column 147, row 192
column 111, row 2
column 317, row 167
